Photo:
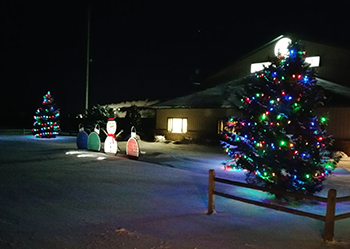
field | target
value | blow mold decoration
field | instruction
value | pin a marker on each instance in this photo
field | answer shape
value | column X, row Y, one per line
column 132, row 146
column 133, row 132
column 82, row 138
column 94, row 141
column 111, row 145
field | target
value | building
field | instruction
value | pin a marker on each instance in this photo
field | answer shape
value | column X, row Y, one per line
column 199, row 115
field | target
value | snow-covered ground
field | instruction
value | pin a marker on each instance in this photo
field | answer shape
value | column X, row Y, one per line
column 55, row 196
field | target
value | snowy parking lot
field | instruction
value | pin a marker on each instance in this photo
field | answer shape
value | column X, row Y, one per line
column 55, row 196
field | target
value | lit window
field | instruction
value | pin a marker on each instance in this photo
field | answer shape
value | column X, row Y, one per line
column 314, row 61
column 256, row 67
column 222, row 126
column 177, row 125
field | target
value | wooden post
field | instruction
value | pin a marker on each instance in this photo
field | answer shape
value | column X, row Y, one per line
column 211, row 187
column 330, row 213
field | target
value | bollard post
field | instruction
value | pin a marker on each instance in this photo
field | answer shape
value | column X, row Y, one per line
column 211, row 187
column 330, row 213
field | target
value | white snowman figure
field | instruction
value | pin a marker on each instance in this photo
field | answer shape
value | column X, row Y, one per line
column 110, row 145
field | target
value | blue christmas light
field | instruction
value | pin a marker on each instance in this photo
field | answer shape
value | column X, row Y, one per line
column 306, row 79
column 288, row 97
column 292, row 53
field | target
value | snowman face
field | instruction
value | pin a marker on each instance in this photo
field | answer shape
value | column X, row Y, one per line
column 111, row 126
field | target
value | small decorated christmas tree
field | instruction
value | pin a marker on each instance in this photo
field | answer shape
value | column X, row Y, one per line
column 46, row 119
column 279, row 139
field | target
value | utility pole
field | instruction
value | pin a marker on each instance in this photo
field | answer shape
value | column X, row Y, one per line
column 87, row 62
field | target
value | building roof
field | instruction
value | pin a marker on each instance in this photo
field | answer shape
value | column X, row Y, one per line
column 219, row 96
column 223, row 95
column 337, row 95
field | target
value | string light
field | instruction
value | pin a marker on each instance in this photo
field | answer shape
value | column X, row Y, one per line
column 279, row 139
column 46, row 124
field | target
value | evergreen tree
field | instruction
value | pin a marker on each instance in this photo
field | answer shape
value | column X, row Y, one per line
column 279, row 139
column 133, row 117
column 98, row 115
column 46, row 123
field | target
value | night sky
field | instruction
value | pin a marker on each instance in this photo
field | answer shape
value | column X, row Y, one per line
column 145, row 49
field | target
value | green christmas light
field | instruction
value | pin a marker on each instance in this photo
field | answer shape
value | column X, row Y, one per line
column 296, row 106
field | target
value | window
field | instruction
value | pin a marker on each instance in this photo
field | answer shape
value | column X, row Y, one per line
column 177, row 125
column 222, row 126
column 314, row 61
column 256, row 67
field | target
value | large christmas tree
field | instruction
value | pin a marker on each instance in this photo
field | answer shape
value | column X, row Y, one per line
column 279, row 139
column 46, row 119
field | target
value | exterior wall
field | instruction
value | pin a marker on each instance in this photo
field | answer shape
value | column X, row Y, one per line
column 242, row 67
column 339, row 121
column 334, row 64
column 200, row 122
column 205, row 121
column 338, row 126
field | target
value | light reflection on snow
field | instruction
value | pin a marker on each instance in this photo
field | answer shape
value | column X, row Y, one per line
column 60, row 138
column 85, row 154
column 76, row 152
column 233, row 169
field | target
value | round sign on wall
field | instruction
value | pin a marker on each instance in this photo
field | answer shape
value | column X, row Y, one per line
column 281, row 47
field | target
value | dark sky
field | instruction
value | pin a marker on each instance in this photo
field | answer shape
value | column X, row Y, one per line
column 144, row 49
